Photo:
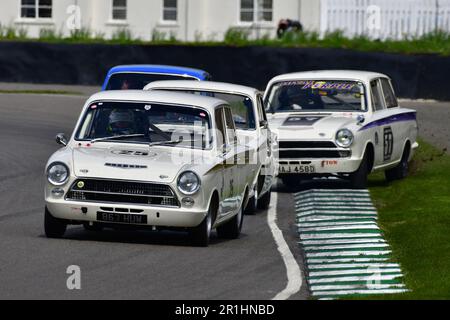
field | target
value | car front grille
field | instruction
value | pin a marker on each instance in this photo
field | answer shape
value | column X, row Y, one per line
column 117, row 191
column 311, row 150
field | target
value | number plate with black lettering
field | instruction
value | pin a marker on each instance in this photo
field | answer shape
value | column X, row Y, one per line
column 121, row 218
column 297, row 169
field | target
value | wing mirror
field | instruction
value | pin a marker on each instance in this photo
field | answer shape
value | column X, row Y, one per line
column 360, row 119
column 61, row 139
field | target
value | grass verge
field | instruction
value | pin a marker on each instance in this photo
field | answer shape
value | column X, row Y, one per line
column 415, row 216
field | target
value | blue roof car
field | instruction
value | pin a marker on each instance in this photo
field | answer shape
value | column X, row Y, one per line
column 138, row 76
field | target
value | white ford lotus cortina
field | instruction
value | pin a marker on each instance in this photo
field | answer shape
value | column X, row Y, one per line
column 150, row 159
column 339, row 123
column 251, row 124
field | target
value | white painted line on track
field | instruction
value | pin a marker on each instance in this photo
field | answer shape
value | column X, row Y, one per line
column 294, row 274
column 356, row 287
column 382, row 277
column 348, row 246
column 332, row 224
column 352, row 272
column 352, row 265
column 353, row 292
column 371, row 226
column 346, row 260
column 343, row 254
column 329, row 236
column 340, row 241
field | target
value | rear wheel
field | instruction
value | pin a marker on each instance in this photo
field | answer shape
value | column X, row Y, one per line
column 232, row 228
column 264, row 201
column 54, row 227
column 252, row 204
column 200, row 235
column 401, row 170
column 358, row 179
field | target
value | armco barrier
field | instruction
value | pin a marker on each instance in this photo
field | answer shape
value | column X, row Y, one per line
column 415, row 76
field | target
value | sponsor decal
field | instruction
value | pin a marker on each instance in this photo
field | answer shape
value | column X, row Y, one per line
column 301, row 120
column 388, row 143
column 329, row 163
column 409, row 116
column 324, row 85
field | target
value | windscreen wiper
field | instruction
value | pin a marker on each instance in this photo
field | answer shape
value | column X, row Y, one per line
column 117, row 137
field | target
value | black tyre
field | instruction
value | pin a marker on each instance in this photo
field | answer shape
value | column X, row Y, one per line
column 232, row 228
column 401, row 170
column 264, row 201
column 94, row 228
column 54, row 228
column 252, row 204
column 358, row 179
column 200, row 235
column 291, row 182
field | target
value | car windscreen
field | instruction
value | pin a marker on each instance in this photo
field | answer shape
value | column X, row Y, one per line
column 134, row 122
column 316, row 95
column 137, row 81
column 241, row 106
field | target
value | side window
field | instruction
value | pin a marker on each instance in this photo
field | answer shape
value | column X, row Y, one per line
column 231, row 131
column 389, row 95
column 261, row 110
column 220, row 127
column 377, row 97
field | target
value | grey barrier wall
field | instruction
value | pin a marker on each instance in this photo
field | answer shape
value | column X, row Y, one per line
column 415, row 76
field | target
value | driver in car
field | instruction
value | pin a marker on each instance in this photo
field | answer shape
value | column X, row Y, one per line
column 121, row 122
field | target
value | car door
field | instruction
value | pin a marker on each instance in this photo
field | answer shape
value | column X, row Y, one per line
column 382, row 134
column 235, row 162
column 399, row 130
column 222, row 146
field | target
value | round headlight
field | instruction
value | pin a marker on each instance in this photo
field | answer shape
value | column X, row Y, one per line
column 344, row 138
column 188, row 183
column 57, row 173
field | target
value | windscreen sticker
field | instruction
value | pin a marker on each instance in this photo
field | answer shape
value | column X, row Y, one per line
column 324, row 85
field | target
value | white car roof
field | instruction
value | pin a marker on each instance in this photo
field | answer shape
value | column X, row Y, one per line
column 202, row 85
column 364, row 76
column 207, row 103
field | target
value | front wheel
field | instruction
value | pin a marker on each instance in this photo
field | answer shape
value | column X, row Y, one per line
column 200, row 235
column 358, row 179
column 232, row 228
column 54, row 228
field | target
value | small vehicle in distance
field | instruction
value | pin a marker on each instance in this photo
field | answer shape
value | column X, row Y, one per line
column 136, row 77
column 150, row 159
column 339, row 123
column 251, row 126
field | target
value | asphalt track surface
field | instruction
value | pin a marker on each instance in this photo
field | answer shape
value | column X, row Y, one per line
column 116, row 265
column 133, row 265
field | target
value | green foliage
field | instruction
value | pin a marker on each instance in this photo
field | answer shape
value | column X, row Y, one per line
column 435, row 42
column 237, row 36
column 123, row 35
column 83, row 34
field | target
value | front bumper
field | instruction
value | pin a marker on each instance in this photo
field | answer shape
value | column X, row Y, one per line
column 156, row 216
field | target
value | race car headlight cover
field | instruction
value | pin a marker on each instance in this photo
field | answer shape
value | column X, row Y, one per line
column 344, row 138
column 57, row 173
column 188, row 183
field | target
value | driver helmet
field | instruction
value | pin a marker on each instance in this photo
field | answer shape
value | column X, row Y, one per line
column 121, row 122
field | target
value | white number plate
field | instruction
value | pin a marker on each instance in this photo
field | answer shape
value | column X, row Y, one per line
column 300, row 169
